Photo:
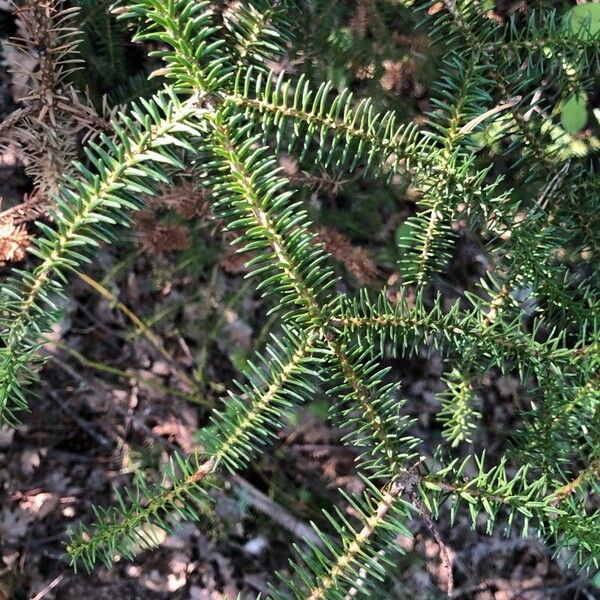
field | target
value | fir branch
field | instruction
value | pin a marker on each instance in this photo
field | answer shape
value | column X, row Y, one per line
column 194, row 60
column 246, row 185
column 249, row 201
column 356, row 547
column 362, row 548
column 406, row 327
column 79, row 217
column 488, row 492
column 372, row 412
column 255, row 416
column 249, row 419
column 591, row 471
column 257, row 31
column 301, row 113
column 339, row 342
column 458, row 413
column 127, row 529
column 429, row 236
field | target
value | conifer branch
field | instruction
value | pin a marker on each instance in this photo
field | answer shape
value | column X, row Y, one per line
column 248, row 420
column 407, row 327
column 248, row 204
column 341, row 563
column 246, row 184
column 302, row 113
column 210, row 116
column 362, row 548
column 257, row 31
column 193, row 60
column 458, row 413
column 78, row 217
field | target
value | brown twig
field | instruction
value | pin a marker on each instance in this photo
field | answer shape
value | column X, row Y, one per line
column 82, row 423
column 444, row 554
column 592, row 470
column 31, row 208
column 274, row 511
column 15, row 117
column 49, row 587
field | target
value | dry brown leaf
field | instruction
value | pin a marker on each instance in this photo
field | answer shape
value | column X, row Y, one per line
column 14, row 241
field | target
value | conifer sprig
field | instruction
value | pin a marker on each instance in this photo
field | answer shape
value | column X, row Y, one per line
column 355, row 564
column 86, row 206
column 251, row 417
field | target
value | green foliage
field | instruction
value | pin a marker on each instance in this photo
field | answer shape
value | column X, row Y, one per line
column 110, row 58
column 573, row 114
column 361, row 553
column 223, row 113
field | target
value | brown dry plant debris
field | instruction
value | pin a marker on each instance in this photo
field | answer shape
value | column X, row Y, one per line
column 359, row 22
column 46, row 132
column 398, row 76
column 40, row 59
column 157, row 238
column 188, row 201
column 28, row 210
column 185, row 199
column 354, row 258
column 14, row 241
column 412, row 42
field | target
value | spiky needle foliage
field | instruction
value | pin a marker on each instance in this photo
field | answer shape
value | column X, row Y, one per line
column 536, row 313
